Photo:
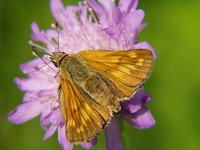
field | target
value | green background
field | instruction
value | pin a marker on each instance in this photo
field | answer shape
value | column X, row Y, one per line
column 174, row 31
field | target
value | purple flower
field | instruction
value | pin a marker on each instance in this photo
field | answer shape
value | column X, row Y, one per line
column 112, row 28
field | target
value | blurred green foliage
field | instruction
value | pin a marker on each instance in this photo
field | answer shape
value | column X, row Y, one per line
column 174, row 29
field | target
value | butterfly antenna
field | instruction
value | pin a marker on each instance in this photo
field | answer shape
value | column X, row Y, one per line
column 33, row 48
column 57, row 29
column 27, row 74
column 45, row 63
column 44, row 50
column 40, row 48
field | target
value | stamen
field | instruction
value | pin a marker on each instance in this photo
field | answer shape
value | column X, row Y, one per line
column 91, row 12
column 62, row 17
column 131, row 35
column 72, row 37
column 127, row 38
column 85, row 37
column 54, row 26
column 53, row 41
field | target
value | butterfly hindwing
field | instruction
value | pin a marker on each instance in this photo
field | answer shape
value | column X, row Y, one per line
column 84, row 118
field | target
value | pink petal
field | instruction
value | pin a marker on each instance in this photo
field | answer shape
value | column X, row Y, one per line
column 144, row 45
column 127, row 5
column 116, row 15
column 37, row 34
column 142, row 119
column 36, row 83
column 30, row 84
column 88, row 145
column 50, row 116
column 146, row 98
column 56, row 6
column 135, row 103
column 45, row 118
column 101, row 12
column 50, row 132
column 142, row 26
column 27, row 111
column 112, row 133
column 133, row 20
column 63, row 140
column 107, row 4
column 31, row 65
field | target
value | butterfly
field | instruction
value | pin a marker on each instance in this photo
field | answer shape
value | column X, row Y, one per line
column 92, row 85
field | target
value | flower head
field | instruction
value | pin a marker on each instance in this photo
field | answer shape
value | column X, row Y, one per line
column 90, row 25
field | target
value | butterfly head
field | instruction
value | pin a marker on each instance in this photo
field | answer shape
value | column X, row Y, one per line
column 57, row 57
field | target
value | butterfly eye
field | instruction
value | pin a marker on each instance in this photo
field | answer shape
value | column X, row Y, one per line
column 55, row 63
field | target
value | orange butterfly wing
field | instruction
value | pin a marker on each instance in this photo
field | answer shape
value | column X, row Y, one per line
column 125, row 70
column 84, row 117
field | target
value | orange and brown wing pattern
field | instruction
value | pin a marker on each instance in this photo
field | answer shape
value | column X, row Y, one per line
column 84, row 117
column 125, row 70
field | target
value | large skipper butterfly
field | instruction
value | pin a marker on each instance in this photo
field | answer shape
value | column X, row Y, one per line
column 93, row 83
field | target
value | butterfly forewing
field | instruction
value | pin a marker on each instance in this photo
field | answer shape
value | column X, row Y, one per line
column 127, row 70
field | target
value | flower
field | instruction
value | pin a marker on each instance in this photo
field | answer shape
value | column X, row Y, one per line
column 90, row 25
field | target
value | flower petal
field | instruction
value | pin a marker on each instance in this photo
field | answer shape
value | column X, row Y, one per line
column 144, row 45
column 62, row 139
column 101, row 12
column 37, row 34
column 116, row 15
column 88, row 145
column 27, row 111
column 135, row 103
column 133, row 20
column 142, row 26
column 112, row 133
column 127, row 5
column 50, row 132
column 31, row 65
column 50, row 116
column 30, row 84
column 107, row 4
column 142, row 119
column 146, row 98
column 131, row 25
column 56, row 6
